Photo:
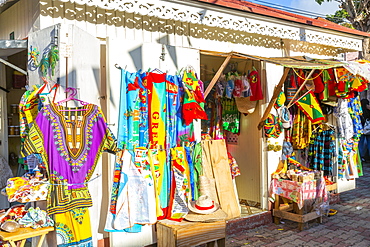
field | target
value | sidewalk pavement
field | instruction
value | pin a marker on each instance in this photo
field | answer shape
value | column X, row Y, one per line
column 349, row 227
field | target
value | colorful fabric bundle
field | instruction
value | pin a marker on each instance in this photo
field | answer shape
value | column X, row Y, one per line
column 143, row 122
column 28, row 110
column 132, row 196
column 344, row 120
column 133, row 113
column 355, row 111
column 25, row 189
column 273, row 126
column 173, row 108
column 234, row 168
column 122, row 136
column 185, row 133
column 159, row 165
column 36, row 218
column 198, row 169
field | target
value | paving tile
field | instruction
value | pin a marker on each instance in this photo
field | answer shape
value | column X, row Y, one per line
column 349, row 228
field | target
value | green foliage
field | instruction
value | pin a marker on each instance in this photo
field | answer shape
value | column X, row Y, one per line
column 53, row 58
column 320, row 1
column 340, row 17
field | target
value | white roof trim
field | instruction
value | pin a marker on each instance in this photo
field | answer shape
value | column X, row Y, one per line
column 213, row 18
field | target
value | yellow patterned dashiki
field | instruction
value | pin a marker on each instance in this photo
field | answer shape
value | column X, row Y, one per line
column 73, row 228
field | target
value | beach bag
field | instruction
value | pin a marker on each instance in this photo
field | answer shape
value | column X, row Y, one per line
column 367, row 127
column 245, row 105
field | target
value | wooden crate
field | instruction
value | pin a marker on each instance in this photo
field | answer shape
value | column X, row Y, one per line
column 282, row 211
column 172, row 233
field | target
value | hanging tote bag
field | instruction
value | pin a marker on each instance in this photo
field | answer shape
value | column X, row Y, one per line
column 292, row 88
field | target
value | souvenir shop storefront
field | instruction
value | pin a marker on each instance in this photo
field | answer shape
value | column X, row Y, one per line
column 179, row 140
column 175, row 125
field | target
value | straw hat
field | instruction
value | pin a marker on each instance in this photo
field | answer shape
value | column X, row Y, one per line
column 205, row 210
column 215, row 216
column 245, row 105
column 204, row 205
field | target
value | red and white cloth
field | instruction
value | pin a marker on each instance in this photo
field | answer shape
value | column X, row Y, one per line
column 298, row 191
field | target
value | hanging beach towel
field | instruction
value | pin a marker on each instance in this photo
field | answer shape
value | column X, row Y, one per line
column 180, row 186
column 156, row 85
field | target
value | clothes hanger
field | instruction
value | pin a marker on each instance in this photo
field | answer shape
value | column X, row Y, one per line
column 54, row 87
column 71, row 97
column 157, row 70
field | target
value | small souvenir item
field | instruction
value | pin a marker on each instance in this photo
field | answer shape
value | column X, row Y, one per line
column 10, row 226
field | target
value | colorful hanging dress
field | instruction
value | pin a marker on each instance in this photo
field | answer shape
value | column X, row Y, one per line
column 70, row 144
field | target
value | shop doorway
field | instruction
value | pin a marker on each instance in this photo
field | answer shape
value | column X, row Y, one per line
column 13, row 86
column 246, row 145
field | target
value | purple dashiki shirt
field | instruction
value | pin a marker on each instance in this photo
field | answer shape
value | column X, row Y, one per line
column 70, row 143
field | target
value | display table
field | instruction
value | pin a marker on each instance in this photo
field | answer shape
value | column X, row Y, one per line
column 172, row 233
column 298, row 193
column 23, row 233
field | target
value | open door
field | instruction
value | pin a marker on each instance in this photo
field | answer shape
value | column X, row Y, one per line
column 78, row 67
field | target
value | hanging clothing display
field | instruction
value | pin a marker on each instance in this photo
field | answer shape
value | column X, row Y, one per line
column 317, row 143
column 70, row 143
column 167, row 168
column 320, row 151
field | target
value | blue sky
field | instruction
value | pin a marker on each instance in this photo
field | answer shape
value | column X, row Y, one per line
column 307, row 5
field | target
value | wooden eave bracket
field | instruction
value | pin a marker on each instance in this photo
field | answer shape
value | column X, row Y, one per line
column 218, row 74
column 276, row 93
